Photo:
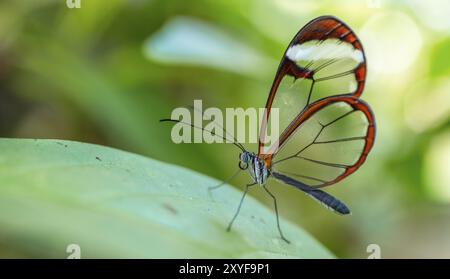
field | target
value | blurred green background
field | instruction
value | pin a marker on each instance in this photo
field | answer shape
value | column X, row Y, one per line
column 107, row 72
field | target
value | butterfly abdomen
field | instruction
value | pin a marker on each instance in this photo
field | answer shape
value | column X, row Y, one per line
column 328, row 201
column 325, row 199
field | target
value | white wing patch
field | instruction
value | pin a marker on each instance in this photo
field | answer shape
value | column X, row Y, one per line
column 323, row 50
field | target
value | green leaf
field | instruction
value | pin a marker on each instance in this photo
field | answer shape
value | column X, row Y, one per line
column 120, row 205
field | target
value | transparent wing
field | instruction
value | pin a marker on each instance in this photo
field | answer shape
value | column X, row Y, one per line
column 327, row 143
column 324, row 59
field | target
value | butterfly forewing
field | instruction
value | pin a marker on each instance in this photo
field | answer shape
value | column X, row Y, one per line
column 324, row 59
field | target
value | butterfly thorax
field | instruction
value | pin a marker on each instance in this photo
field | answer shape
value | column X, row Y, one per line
column 256, row 167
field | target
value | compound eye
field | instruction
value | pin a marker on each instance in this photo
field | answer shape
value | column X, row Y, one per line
column 243, row 165
column 242, row 156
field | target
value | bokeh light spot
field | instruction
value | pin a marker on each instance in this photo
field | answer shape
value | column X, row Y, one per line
column 392, row 41
column 437, row 168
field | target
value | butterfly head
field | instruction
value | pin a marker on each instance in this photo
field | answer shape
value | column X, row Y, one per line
column 245, row 159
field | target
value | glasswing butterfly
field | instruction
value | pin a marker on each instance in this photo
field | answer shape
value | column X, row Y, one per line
column 327, row 131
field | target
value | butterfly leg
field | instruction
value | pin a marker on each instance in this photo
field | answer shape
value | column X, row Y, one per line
column 276, row 213
column 240, row 204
